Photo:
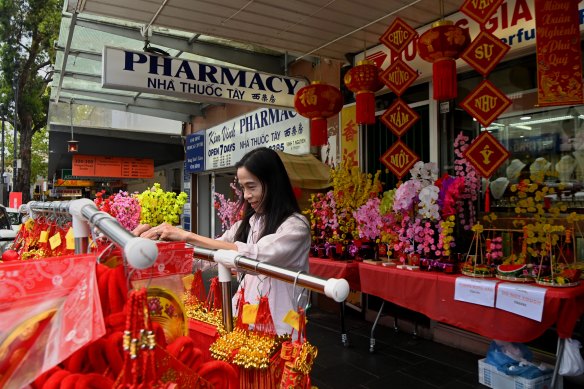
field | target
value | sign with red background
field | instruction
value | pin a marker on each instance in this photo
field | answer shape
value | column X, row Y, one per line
column 399, row 159
column 485, row 52
column 398, row 77
column 101, row 166
column 398, row 35
column 480, row 11
column 559, row 58
column 485, row 103
column 399, row 117
column 486, row 154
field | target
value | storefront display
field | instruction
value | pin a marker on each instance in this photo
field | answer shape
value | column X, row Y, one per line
column 136, row 329
column 487, row 186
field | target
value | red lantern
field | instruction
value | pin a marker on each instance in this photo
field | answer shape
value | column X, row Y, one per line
column 363, row 80
column 72, row 146
column 442, row 45
column 317, row 102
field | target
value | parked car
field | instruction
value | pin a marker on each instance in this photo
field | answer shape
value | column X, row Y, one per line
column 10, row 220
column 15, row 218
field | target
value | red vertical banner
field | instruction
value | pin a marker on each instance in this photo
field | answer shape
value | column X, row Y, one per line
column 559, row 58
column 15, row 200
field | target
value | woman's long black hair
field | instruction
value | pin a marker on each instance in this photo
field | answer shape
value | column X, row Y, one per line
column 278, row 202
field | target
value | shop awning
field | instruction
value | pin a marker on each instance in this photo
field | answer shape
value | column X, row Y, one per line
column 263, row 36
column 260, row 35
column 306, row 171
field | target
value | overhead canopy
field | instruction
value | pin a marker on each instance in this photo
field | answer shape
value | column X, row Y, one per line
column 262, row 35
column 327, row 29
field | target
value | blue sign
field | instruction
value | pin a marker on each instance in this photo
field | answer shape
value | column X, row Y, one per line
column 186, row 223
column 195, row 153
column 186, row 174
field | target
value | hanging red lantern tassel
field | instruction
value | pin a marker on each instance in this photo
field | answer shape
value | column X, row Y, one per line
column 442, row 45
column 364, row 81
column 445, row 86
column 318, row 132
column 365, row 108
column 318, row 102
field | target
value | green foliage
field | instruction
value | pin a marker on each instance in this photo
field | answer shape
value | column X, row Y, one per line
column 40, row 152
column 28, row 30
column 39, row 164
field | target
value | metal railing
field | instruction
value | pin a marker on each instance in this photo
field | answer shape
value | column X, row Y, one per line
column 141, row 253
column 335, row 288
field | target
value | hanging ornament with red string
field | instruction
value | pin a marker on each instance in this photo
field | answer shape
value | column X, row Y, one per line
column 318, row 102
column 442, row 45
column 363, row 80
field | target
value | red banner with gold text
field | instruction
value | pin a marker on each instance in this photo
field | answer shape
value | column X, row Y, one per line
column 559, row 62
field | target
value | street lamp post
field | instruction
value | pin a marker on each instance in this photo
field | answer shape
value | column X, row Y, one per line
column 14, row 161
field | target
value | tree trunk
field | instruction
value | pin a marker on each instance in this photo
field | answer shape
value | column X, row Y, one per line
column 25, row 147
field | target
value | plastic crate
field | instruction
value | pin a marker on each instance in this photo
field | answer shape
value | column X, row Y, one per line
column 491, row 377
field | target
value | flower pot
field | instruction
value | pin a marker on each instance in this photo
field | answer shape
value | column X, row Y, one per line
column 336, row 251
column 368, row 250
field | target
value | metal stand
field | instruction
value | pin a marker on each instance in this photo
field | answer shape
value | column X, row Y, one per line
column 139, row 252
column 335, row 288
column 344, row 336
column 559, row 353
column 372, row 337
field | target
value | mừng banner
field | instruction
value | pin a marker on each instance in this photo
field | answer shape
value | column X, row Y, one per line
column 559, row 58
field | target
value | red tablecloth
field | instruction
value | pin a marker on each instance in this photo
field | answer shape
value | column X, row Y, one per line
column 328, row 268
column 432, row 294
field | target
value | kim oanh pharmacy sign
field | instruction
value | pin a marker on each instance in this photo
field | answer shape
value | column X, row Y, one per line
column 277, row 129
column 151, row 73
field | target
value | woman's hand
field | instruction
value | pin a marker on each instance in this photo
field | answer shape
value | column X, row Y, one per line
column 163, row 231
column 167, row 232
column 141, row 229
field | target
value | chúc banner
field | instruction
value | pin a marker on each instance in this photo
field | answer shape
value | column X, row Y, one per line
column 559, row 58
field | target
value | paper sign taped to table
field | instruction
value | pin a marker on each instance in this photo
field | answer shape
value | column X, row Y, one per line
column 523, row 300
column 475, row 291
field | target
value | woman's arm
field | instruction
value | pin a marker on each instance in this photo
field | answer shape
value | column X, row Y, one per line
column 166, row 231
column 287, row 247
column 209, row 243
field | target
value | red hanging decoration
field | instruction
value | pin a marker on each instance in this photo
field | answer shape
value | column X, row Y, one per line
column 264, row 322
column 318, row 102
column 139, row 369
column 364, row 81
column 442, row 45
column 215, row 296
column 197, row 288
column 299, row 356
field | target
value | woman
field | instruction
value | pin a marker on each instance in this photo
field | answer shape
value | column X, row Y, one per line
column 272, row 230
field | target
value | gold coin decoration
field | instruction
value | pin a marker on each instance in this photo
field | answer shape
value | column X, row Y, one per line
column 167, row 310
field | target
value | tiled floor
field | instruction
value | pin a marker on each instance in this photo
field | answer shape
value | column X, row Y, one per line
column 399, row 361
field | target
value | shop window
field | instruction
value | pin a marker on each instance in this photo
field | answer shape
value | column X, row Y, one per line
column 546, row 144
column 548, row 141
